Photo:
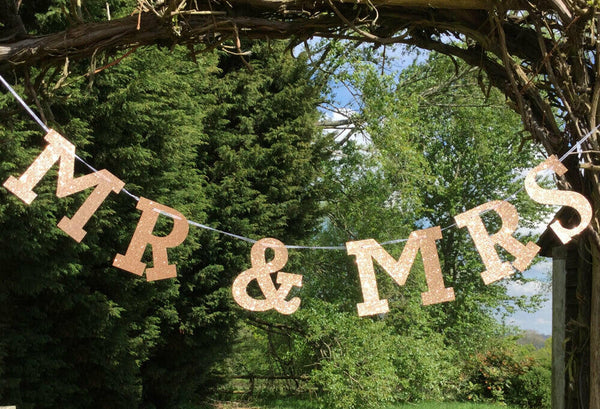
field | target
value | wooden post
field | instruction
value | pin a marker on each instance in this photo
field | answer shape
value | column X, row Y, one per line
column 559, row 272
column 595, row 331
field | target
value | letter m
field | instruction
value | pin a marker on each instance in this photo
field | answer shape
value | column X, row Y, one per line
column 62, row 151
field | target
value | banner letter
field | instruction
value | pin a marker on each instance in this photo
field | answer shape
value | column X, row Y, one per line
column 559, row 197
column 143, row 236
column 261, row 272
column 59, row 149
column 484, row 243
column 368, row 250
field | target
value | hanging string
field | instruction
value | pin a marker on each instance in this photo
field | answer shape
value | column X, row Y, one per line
column 579, row 143
column 247, row 239
column 46, row 129
column 547, row 171
column 23, row 104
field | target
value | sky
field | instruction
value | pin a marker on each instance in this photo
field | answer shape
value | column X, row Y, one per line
column 541, row 320
column 541, row 275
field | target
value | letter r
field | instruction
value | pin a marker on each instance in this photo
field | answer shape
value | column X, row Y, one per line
column 143, row 236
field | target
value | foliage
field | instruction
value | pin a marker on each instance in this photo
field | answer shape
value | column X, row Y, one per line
column 450, row 405
column 235, row 150
column 427, row 369
column 515, row 375
column 301, row 402
column 356, row 368
column 428, row 145
column 341, row 360
column 532, row 337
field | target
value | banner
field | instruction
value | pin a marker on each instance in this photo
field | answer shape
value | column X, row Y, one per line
column 366, row 252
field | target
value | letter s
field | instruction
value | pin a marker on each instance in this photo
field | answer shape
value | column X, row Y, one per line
column 559, row 197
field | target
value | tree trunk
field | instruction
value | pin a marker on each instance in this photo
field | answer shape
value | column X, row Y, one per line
column 559, row 278
column 595, row 334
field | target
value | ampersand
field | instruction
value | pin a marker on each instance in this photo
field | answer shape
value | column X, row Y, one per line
column 261, row 272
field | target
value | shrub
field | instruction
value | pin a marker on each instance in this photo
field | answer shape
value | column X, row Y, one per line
column 533, row 388
column 511, row 374
column 426, row 368
column 356, row 370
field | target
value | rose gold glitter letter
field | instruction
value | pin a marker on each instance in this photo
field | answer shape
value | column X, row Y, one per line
column 559, row 197
column 368, row 250
column 274, row 297
column 485, row 243
column 142, row 236
column 59, row 149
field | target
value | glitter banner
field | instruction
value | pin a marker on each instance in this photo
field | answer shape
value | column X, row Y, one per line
column 276, row 290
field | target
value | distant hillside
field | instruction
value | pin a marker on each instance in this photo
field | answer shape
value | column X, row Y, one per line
column 533, row 337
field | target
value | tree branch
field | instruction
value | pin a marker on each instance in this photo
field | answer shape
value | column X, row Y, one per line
column 264, row 19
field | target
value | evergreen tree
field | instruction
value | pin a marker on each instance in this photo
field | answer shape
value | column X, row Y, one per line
column 230, row 149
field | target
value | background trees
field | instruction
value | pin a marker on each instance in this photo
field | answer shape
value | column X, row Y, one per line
column 426, row 150
column 541, row 57
column 233, row 149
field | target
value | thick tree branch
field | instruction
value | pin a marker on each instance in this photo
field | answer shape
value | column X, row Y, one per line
column 248, row 18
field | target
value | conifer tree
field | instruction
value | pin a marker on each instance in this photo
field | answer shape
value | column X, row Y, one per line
column 236, row 150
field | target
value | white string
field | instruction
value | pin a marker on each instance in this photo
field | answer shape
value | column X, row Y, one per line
column 316, row 247
column 578, row 144
column 514, row 195
column 247, row 239
column 203, row 226
column 23, row 104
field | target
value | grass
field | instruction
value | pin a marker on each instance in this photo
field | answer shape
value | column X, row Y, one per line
column 295, row 403
column 448, row 405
